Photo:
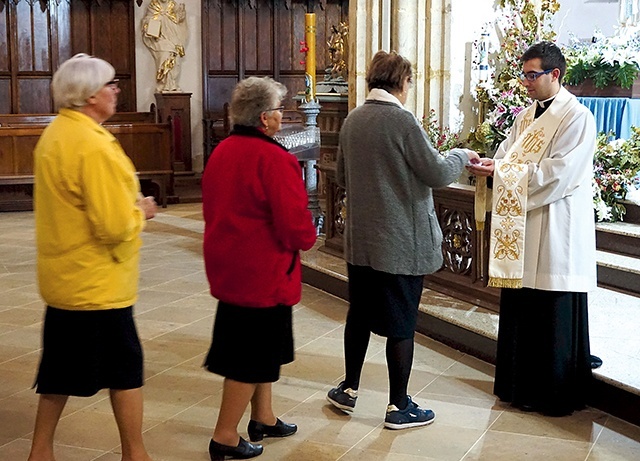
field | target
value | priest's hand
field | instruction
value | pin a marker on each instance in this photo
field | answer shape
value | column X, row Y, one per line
column 484, row 167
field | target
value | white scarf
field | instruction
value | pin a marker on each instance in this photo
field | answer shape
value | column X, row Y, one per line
column 378, row 94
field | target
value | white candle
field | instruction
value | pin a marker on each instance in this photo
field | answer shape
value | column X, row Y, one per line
column 483, row 52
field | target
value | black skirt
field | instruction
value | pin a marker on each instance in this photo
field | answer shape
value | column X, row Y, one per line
column 543, row 359
column 250, row 344
column 85, row 351
column 386, row 303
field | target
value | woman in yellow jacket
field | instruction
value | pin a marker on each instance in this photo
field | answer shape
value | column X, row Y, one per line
column 89, row 215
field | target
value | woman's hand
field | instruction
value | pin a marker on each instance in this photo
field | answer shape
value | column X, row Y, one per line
column 481, row 167
column 474, row 158
column 148, row 206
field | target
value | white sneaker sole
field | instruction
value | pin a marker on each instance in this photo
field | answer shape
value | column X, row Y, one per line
column 396, row 427
column 339, row 406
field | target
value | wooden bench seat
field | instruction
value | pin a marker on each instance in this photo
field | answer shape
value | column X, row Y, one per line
column 146, row 142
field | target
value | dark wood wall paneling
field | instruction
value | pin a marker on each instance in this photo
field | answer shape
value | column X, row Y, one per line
column 261, row 38
column 106, row 29
column 41, row 35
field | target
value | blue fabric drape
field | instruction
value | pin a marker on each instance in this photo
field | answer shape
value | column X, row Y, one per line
column 614, row 114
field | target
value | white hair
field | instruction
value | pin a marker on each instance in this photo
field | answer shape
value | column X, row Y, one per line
column 253, row 96
column 79, row 78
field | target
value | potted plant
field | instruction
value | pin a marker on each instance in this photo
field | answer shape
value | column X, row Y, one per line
column 607, row 66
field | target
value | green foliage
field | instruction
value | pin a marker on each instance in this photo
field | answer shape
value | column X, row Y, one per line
column 607, row 61
column 442, row 138
column 502, row 98
column 615, row 165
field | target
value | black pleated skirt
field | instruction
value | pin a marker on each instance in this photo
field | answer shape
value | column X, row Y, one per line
column 543, row 359
column 386, row 303
column 85, row 351
column 250, row 344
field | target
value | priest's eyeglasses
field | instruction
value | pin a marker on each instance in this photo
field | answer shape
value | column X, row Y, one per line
column 113, row 84
column 533, row 76
column 279, row 109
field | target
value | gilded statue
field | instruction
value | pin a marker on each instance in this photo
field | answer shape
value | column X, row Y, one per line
column 338, row 50
column 164, row 32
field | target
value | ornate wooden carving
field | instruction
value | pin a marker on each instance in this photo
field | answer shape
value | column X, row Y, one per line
column 260, row 38
column 42, row 34
column 465, row 250
column 457, row 246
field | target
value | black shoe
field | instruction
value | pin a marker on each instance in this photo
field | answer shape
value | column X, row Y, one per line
column 257, row 431
column 526, row 407
column 244, row 450
column 596, row 362
column 343, row 398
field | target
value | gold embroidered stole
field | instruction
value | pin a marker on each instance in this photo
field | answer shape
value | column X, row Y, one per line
column 510, row 190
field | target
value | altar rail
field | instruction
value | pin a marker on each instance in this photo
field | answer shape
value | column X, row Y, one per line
column 465, row 249
column 146, row 142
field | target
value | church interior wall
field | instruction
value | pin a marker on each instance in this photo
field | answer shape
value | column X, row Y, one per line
column 190, row 76
column 580, row 17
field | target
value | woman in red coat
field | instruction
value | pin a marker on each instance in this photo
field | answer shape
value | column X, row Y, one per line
column 256, row 222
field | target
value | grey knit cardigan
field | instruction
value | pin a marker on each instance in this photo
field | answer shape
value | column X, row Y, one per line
column 388, row 168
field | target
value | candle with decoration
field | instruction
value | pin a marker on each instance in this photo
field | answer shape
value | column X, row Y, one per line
column 310, row 70
column 483, row 52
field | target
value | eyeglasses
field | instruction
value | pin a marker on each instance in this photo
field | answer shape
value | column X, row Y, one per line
column 279, row 109
column 533, row 76
column 112, row 83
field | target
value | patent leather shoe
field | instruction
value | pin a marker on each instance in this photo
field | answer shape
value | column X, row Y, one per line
column 595, row 362
column 244, row 450
column 257, row 431
column 525, row 407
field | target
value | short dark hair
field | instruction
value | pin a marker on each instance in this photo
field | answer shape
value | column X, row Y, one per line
column 388, row 71
column 550, row 55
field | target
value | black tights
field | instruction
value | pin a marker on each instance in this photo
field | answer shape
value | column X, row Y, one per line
column 399, row 352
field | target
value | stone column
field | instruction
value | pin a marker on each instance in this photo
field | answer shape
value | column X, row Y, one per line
column 418, row 30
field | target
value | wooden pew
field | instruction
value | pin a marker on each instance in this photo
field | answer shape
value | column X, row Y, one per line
column 21, row 120
column 146, row 142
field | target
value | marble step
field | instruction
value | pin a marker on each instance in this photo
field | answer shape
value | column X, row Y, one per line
column 618, row 271
column 620, row 237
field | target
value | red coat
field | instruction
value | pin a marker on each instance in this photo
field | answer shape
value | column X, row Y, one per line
column 256, row 221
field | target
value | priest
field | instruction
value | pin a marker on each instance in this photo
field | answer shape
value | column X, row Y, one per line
column 542, row 250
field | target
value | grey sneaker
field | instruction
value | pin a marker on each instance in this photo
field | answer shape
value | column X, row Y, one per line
column 412, row 416
column 344, row 399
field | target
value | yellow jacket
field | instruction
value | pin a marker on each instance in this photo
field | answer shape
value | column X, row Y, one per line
column 87, row 224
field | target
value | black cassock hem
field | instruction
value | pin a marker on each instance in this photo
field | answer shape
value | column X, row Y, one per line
column 543, row 360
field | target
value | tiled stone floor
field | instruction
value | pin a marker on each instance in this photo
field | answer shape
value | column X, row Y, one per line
column 174, row 316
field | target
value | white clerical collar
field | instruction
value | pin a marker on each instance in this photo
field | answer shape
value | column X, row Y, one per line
column 544, row 104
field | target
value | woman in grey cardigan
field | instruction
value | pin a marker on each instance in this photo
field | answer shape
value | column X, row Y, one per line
column 388, row 168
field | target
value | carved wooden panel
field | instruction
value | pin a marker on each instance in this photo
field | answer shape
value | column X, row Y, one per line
column 27, row 60
column 465, row 250
column 36, row 36
column 457, row 244
column 106, row 30
column 262, row 38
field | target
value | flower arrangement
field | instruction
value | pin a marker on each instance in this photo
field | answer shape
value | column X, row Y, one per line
column 507, row 104
column 608, row 61
column 442, row 138
column 525, row 23
column 615, row 165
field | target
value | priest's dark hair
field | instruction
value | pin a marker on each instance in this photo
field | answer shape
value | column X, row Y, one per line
column 550, row 55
